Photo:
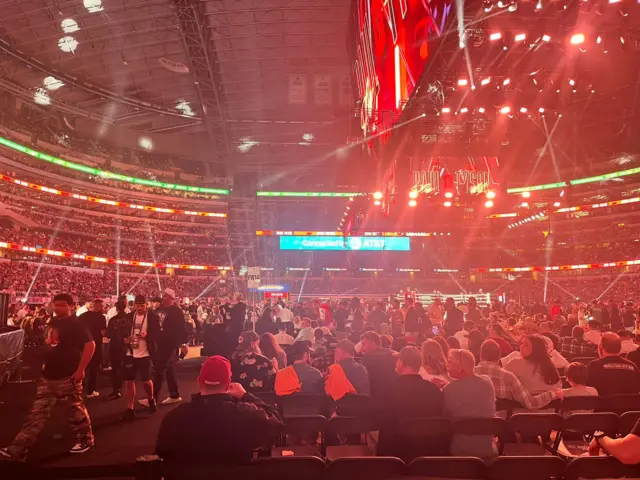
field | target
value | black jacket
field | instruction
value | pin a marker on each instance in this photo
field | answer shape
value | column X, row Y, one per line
column 221, row 429
column 381, row 365
column 173, row 329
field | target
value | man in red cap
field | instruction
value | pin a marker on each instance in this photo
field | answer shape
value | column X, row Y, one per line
column 226, row 424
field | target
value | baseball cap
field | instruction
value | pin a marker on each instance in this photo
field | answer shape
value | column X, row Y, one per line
column 215, row 371
column 140, row 299
column 170, row 292
column 347, row 346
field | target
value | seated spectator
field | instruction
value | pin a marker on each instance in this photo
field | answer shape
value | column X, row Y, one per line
column 434, row 364
column 226, row 424
column 463, row 335
column 593, row 333
column 476, row 338
column 282, row 337
column 453, row 343
column 346, row 376
column 627, row 343
column 469, row 396
column 406, row 397
column 270, row 349
column 497, row 333
column 386, row 341
column 577, row 375
column 506, row 384
column 306, row 332
column 534, row 367
column 625, row 449
column 576, row 345
column 251, row 369
column 379, row 362
column 611, row 374
column 299, row 376
column 558, row 360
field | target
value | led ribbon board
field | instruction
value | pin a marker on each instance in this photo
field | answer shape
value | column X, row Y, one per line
column 110, row 175
column 345, row 243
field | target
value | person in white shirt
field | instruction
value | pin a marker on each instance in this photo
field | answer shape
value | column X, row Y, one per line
column 282, row 337
column 83, row 309
column 142, row 327
column 463, row 335
column 593, row 333
column 306, row 332
column 628, row 345
column 284, row 314
column 436, row 312
column 534, row 367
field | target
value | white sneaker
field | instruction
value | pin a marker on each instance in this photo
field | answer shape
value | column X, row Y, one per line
column 93, row 394
column 81, row 447
column 170, row 401
column 144, row 402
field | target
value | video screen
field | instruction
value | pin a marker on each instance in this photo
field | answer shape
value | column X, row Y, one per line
column 345, row 243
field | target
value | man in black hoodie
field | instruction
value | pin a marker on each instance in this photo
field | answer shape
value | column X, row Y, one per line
column 171, row 337
column 226, row 424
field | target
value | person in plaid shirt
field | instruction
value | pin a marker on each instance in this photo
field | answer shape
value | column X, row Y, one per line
column 576, row 345
column 506, row 384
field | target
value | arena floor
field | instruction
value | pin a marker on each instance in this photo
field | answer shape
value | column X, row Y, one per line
column 116, row 441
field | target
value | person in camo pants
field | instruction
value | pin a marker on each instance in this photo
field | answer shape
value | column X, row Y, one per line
column 70, row 348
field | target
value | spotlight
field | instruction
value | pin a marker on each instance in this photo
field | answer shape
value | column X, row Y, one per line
column 488, row 204
column 546, row 38
column 464, row 110
column 448, row 194
column 463, row 82
column 500, row 4
column 351, row 199
column 412, row 203
column 513, row 6
column 538, row 6
column 615, row 1
column 506, row 81
column 446, row 110
column 577, row 39
column 520, row 37
column 377, row 196
column 377, row 203
column 599, row 39
column 495, row 36
column 491, row 194
column 523, row 110
column 524, row 204
column 485, row 81
column 481, row 110
column 572, row 82
column 556, row 204
column 541, row 110
column 447, row 203
column 413, row 194
column 504, row 110
column 622, row 40
column 526, row 194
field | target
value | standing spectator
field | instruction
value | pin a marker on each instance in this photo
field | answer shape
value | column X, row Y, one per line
column 469, row 396
column 473, row 312
column 506, row 384
column 463, row 335
column 216, row 416
column 142, row 328
column 251, row 369
column 453, row 318
column 117, row 332
column 266, row 322
column 379, row 362
column 237, row 315
column 436, row 312
column 593, row 333
column 376, row 318
column 611, row 374
column 96, row 323
column 356, row 316
column 69, row 351
column 284, row 315
column 171, row 337
column 407, row 396
column 346, row 376
column 270, row 349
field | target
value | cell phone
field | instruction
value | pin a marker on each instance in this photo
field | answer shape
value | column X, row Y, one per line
column 435, row 330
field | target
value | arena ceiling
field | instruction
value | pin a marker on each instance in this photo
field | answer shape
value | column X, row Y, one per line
column 253, row 75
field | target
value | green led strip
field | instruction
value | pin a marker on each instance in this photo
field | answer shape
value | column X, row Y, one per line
column 309, row 194
column 535, row 188
column 109, row 175
column 578, row 181
column 606, row 176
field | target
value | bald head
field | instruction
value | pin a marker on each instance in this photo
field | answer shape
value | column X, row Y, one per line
column 610, row 344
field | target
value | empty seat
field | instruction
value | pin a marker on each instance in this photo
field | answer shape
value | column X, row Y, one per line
column 355, row 430
column 587, row 423
column 305, row 431
column 600, row 467
column 526, row 468
column 532, row 428
column 481, row 426
column 571, row 404
column 371, row 468
column 418, row 437
column 302, row 404
column 628, row 420
column 448, row 467
column 507, row 406
column 289, row 468
column 354, row 405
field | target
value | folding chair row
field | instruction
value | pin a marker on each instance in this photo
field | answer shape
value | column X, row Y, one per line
column 467, row 468
column 305, row 404
column 618, row 404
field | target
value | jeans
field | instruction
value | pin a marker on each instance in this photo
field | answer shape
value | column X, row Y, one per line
column 164, row 365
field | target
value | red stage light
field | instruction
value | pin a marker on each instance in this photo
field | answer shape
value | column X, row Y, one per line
column 446, row 110
column 463, row 82
column 577, row 39
column 481, row 110
column 464, row 110
column 523, row 110
column 541, row 110
column 495, row 36
column 412, row 203
column 546, row 38
column 485, row 81
column 506, row 81
column 520, row 37
column 504, row 110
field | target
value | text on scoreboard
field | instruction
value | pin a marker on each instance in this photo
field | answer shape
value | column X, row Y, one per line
column 345, row 243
